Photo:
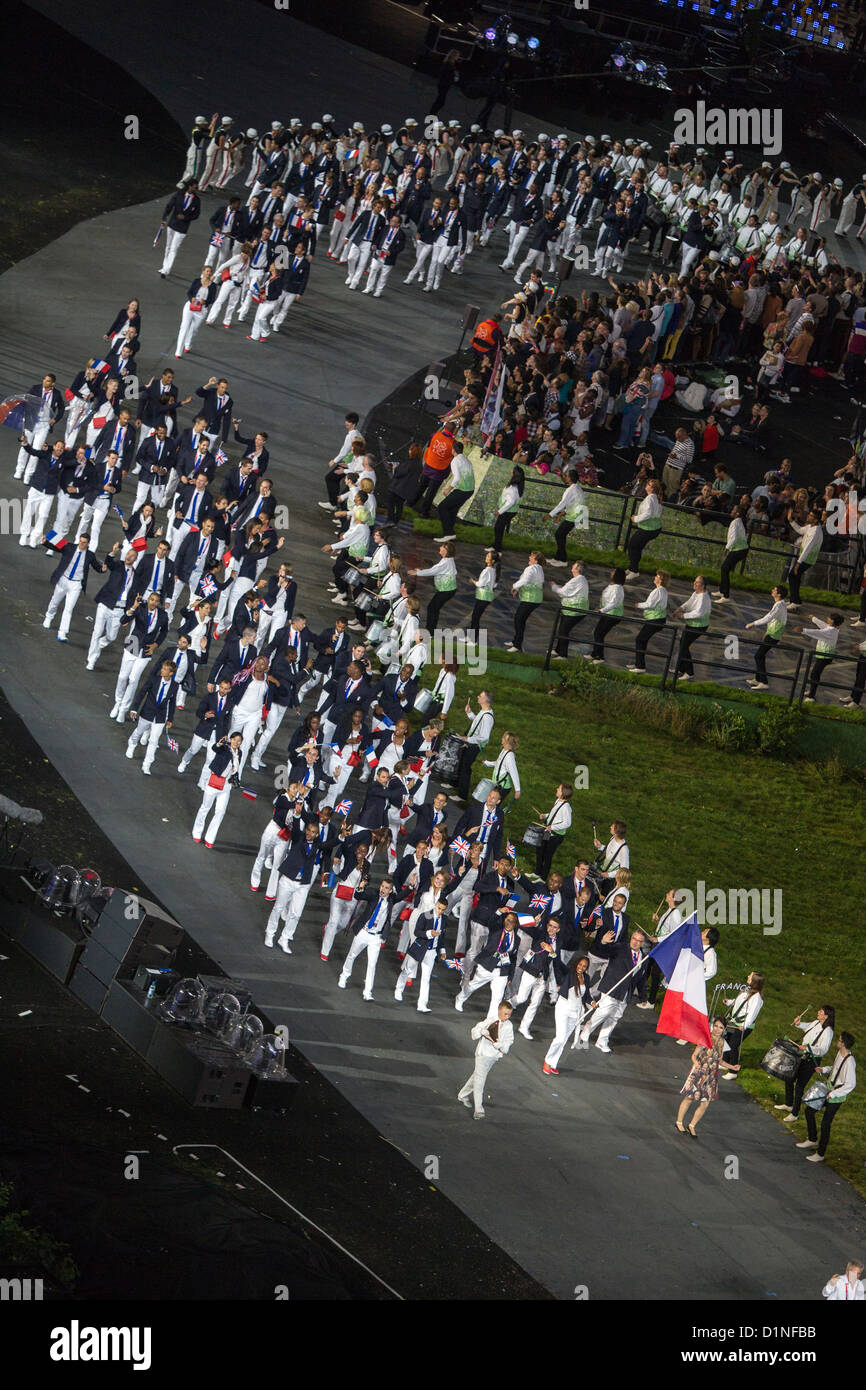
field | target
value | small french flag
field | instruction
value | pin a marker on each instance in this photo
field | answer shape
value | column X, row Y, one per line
column 250, row 795
column 525, row 919
column 343, row 807
column 96, row 364
column 370, row 755
column 51, row 539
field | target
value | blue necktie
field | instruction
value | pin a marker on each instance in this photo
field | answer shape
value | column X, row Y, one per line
column 194, row 506
column 161, row 695
column 75, row 563
column 155, row 584
column 372, row 922
column 202, row 545
column 220, row 703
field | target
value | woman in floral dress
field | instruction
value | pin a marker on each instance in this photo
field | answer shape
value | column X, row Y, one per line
column 702, row 1083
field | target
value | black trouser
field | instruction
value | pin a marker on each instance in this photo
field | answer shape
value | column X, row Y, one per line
column 761, row 658
column 448, row 509
column 560, row 536
column 602, row 628
column 334, row 483
column 395, row 508
column 475, row 616
column 859, row 680
column 862, row 613
column 645, row 635
column 566, row 623
column 654, row 979
column 544, row 854
column 735, row 1037
column 656, row 234
column 340, row 566
column 500, row 526
column 468, row 753
column 795, row 1087
column 828, row 1115
column 435, row 606
column 795, row 579
column 429, row 488
column 637, row 542
column 817, row 672
column 729, row 564
column 520, row 618
column 690, row 636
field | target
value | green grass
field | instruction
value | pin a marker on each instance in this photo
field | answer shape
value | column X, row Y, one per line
column 470, row 534
column 732, row 820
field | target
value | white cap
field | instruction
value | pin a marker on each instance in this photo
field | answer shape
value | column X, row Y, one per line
column 517, row 134
column 226, row 120
column 700, row 150
column 328, row 119
column 252, row 133
column 607, row 139
column 713, row 256
column 589, row 140
column 837, row 183
column 542, row 138
column 498, row 134
column 295, row 122
column 729, row 154
column 784, row 164
column 201, row 120
column 276, row 125
column 317, row 125
column 476, row 129
column 562, row 136
column 410, row 120
column 358, row 127
column 387, row 130
column 628, row 141
column 817, row 178
column 453, row 125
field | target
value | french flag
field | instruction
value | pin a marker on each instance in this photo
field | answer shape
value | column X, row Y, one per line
column 51, row 539
column 370, row 755
column 680, row 957
column 98, row 364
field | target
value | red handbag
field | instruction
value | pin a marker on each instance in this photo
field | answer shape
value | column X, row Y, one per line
column 284, row 834
column 344, row 892
column 225, row 275
column 353, row 760
column 216, row 782
column 139, row 544
column 68, row 395
column 99, row 421
column 405, row 914
column 405, row 812
column 339, row 215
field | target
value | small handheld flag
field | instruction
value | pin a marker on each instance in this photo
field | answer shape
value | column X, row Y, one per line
column 172, row 743
column 343, row 807
column 115, row 508
column 250, row 795
column 452, row 963
column 525, row 919
column 370, row 755
column 51, row 539
column 13, row 412
column 510, row 850
column 98, row 364
column 460, row 846
column 221, row 456
column 207, row 586
column 540, row 901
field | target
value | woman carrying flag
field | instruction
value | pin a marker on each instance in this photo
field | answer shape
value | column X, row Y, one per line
column 702, row 1083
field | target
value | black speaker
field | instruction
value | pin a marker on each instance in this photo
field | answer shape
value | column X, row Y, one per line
column 54, row 943
column 470, row 317
column 88, row 989
column 200, row 1069
column 99, row 962
column 275, row 1097
column 128, row 918
column 129, row 1016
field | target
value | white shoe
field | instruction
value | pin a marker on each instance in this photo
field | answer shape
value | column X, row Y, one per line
column 398, row 995
column 464, row 1100
column 558, row 564
column 369, row 998
column 684, row 677
column 91, row 665
column 781, row 1107
column 638, row 670
column 631, row 574
column 807, row 1144
column 458, row 1004
column 523, row 1033
column 145, row 770
column 602, row 1047
column 646, row 1005
column 341, row 983
column 814, row 1158
column 327, row 507
column 269, row 941
column 284, row 946
column 113, row 714
column 130, row 752
column 479, row 1115
column 729, row 1076
column 422, row 1009
column 790, row 1119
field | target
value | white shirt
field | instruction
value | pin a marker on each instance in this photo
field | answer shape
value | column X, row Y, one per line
column 711, row 963
column 842, row 1290
column 746, row 1008
column 533, row 574
column 497, row 1049
column 558, row 818
column 253, row 697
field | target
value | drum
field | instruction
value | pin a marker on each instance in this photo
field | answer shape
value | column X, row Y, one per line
column 534, row 835
column 423, row 701
column 363, row 601
column 352, row 576
column 376, row 631
column 448, row 758
column 815, row 1095
column 483, row 789
column 782, row 1060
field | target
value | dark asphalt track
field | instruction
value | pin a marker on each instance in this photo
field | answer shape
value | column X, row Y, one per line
column 581, row 1178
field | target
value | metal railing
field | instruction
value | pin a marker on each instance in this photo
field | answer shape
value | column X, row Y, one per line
column 671, row 678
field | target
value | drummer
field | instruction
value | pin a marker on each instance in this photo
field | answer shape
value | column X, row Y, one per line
column 741, row 1020
column 476, row 737
column 554, row 825
column 817, row 1039
column 373, row 569
column 505, row 775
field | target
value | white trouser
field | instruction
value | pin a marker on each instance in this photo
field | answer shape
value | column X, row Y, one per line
column 67, row 592
column 462, row 908
column 689, row 255
column 149, row 733
column 106, row 626
column 132, row 669
column 148, row 492
column 34, row 517
column 75, row 416
column 530, row 259
column 25, row 465
column 197, row 743
column 253, row 276
column 475, row 1085
column 359, row 259
column 515, row 241
column 338, row 920
column 603, row 257
column 177, row 590
column 248, row 725
column 67, row 507
column 284, row 304
column 190, row 322
column 531, row 987
column 289, row 904
column 270, row 620
column 235, row 592
column 231, row 570
column 264, row 313
column 524, row 945
column 850, row 204
column 93, row 515
column 341, row 773
column 410, row 970
column 378, row 277
column 368, row 941
column 477, row 938
column 217, row 254
column 219, row 800
column 227, row 300
column 407, row 931
column 567, row 1022
column 179, row 534
column 337, row 234
column 173, row 243
column 480, row 978
column 270, row 838
column 443, row 255
column 422, row 254
column 605, row 1017
column 276, row 715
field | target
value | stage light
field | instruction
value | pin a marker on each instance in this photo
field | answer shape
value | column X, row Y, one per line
column 490, row 35
column 533, row 44
column 661, row 71
column 640, row 66
column 618, row 60
column 512, row 39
